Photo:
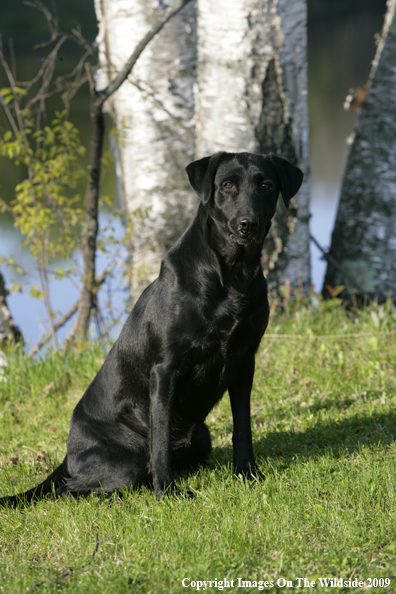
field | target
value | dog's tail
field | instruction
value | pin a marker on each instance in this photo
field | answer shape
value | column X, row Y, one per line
column 53, row 481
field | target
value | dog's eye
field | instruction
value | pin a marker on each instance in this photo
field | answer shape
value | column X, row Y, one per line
column 228, row 185
column 265, row 185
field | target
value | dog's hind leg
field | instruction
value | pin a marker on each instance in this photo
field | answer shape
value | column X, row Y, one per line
column 105, row 470
column 195, row 451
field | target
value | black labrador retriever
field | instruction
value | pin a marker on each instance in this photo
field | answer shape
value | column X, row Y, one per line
column 191, row 336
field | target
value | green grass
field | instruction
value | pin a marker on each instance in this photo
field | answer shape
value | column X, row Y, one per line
column 324, row 427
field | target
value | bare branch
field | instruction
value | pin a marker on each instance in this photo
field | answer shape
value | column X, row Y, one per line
column 12, row 56
column 80, row 39
column 52, row 20
column 9, row 115
column 63, row 85
column 46, row 70
column 47, row 74
column 72, row 89
column 47, row 62
column 98, row 542
column 19, row 124
column 90, row 78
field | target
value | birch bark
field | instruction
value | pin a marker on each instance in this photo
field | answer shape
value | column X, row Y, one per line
column 155, row 134
column 251, row 95
column 364, row 236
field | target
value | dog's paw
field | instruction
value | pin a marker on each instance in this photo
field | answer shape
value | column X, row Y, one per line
column 64, row 493
column 173, row 491
column 169, row 489
column 250, row 472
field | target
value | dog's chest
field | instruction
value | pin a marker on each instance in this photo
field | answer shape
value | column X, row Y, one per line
column 222, row 327
column 220, row 342
column 207, row 369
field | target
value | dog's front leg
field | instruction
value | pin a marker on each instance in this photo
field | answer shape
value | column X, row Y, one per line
column 239, row 392
column 161, row 398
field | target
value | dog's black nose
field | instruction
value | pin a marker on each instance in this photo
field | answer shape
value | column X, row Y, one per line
column 248, row 225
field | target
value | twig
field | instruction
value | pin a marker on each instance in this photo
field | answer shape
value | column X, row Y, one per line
column 48, row 73
column 8, row 114
column 12, row 57
column 12, row 84
column 65, row 574
column 101, row 319
column 327, row 256
column 49, row 334
column 97, row 545
column 98, row 542
column 78, row 36
column 52, row 21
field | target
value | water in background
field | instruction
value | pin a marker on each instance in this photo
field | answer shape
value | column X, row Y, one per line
column 340, row 51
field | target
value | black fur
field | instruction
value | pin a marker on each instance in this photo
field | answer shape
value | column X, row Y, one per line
column 191, row 336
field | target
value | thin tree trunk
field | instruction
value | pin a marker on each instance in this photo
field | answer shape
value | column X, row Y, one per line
column 251, row 95
column 98, row 98
column 364, row 236
column 91, row 220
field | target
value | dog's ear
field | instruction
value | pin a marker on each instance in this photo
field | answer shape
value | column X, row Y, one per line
column 290, row 177
column 201, row 175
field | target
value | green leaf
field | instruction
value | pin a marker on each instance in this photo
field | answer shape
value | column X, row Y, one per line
column 36, row 291
column 20, row 91
column 14, row 288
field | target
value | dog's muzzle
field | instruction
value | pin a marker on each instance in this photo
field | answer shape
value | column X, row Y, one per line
column 246, row 230
column 248, row 226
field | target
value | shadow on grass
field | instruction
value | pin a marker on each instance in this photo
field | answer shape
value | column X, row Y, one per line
column 337, row 438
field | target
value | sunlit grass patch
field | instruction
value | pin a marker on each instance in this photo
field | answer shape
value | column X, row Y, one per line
column 324, row 427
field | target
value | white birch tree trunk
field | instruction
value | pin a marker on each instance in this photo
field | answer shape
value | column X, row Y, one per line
column 251, row 95
column 364, row 236
column 153, row 147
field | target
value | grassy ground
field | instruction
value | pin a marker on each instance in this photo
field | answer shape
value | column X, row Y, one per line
column 324, row 426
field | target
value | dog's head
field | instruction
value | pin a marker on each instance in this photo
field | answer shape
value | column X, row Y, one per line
column 241, row 191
